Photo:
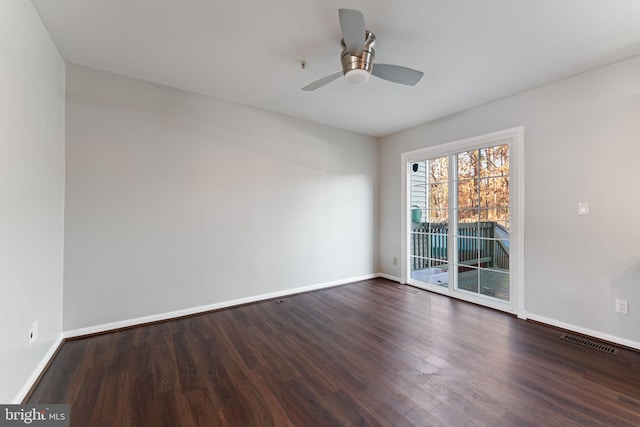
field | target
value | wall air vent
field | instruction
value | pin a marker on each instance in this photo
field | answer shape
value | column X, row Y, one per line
column 591, row 344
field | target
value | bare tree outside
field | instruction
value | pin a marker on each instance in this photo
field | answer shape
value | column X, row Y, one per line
column 483, row 187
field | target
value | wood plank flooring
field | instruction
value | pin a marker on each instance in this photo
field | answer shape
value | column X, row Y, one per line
column 372, row 353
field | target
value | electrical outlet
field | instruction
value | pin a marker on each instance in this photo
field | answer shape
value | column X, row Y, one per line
column 395, row 260
column 33, row 332
column 622, row 306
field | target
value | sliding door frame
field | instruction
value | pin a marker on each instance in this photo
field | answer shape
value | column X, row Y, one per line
column 514, row 137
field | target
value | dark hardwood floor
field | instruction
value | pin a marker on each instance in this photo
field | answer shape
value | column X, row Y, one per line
column 372, row 353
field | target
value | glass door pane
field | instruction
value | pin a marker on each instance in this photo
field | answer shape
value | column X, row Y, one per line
column 482, row 230
column 430, row 221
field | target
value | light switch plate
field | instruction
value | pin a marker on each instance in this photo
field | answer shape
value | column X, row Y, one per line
column 583, row 208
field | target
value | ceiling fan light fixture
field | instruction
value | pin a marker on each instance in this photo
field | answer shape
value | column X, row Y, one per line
column 357, row 76
column 358, row 55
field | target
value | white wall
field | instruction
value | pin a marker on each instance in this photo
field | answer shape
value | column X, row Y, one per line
column 31, row 193
column 176, row 200
column 582, row 143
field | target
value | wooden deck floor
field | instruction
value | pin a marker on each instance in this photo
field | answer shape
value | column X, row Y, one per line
column 373, row 353
column 490, row 283
column 487, row 282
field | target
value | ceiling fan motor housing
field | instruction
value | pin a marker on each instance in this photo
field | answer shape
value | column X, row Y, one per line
column 362, row 62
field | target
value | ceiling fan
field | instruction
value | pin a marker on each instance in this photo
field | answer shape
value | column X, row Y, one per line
column 358, row 55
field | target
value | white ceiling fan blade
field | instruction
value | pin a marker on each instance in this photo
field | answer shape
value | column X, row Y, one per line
column 352, row 26
column 323, row 81
column 397, row 74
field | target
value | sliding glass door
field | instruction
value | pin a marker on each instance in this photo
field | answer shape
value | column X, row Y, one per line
column 459, row 221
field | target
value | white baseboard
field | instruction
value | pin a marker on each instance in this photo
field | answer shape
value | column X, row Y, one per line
column 38, row 370
column 204, row 308
column 201, row 309
column 584, row 331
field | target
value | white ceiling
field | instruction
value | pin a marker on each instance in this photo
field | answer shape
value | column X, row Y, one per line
column 249, row 51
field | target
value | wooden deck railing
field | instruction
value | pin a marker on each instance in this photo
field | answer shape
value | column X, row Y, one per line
column 477, row 245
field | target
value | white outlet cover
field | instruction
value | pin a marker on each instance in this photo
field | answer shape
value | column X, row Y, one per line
column 622, row 306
